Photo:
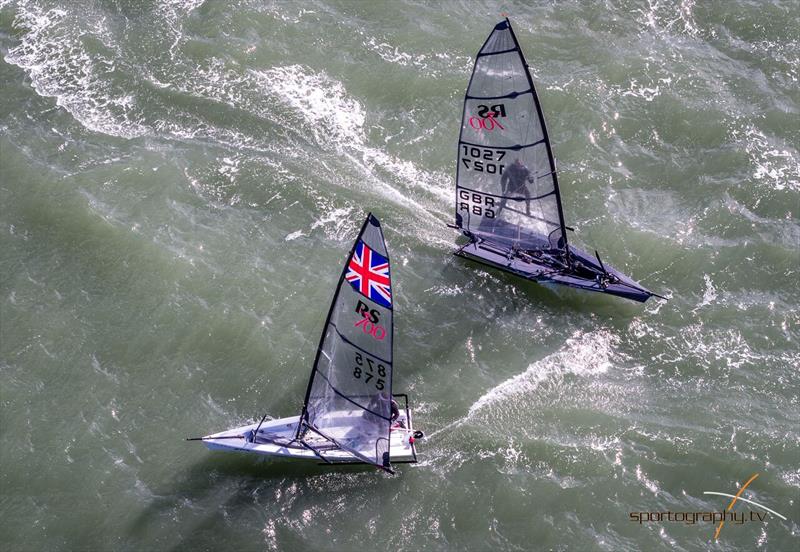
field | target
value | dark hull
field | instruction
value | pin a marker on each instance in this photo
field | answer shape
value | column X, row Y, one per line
column 543, row 272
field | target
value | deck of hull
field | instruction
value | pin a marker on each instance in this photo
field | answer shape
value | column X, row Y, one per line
column 400, row 449
column 538, row 272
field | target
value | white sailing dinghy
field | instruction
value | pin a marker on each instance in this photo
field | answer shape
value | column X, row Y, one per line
column 349, row 414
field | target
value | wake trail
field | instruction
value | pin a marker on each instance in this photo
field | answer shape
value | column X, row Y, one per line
column 584, row 354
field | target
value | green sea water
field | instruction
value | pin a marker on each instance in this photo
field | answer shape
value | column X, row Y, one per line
column 180, row 182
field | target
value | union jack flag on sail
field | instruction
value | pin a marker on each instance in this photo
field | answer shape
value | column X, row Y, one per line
column 368, row 273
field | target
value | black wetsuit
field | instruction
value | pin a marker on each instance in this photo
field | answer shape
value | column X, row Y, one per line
column 377, row 405
column 515, row 182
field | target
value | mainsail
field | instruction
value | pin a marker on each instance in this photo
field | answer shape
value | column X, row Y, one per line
column 348, row 401
column 506, row 184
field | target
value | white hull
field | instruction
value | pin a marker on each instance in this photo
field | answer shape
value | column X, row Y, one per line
column 400, row 449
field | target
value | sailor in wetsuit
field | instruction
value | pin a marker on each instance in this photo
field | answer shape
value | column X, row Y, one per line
column 378, row 405
column 514, row 182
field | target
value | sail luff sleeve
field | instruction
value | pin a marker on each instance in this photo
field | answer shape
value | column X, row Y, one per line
column 506, row 187
column 349, row 394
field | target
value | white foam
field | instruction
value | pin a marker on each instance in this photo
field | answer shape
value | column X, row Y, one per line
column 320, row 105
column 649, row 483
column 791, row 477
column 773, row 161
column 336, row 222
column 330, row 114
column 647, row 93
column 55, row 51
column 54, row 54
column 310, row 103
column 294, row 235
column 446, row 290
column 433, row 64
column 709, row 295
column 584, row 354
column 664, row 17
column 171, row 12
column 281, row 11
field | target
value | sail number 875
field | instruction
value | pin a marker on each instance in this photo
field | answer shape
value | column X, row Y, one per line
column 368, row 370
column 482, row 159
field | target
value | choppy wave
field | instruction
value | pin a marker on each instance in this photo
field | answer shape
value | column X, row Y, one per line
column 773, row 162
column 90, row 77
column 584, row 354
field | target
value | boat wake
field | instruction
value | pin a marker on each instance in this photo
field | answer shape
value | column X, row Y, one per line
column 584, row 354
column 291, row 113
column 319, row 105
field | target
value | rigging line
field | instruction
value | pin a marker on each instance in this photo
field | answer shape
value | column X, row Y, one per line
column 244, row 437
column 550, row 222
column 255, row 433
column 530, row 119
column 312, row 449
column 352, row 451
column 637, row 288
column 215, row 438
column 287, row 444
column 528, row 128
column 509, row 69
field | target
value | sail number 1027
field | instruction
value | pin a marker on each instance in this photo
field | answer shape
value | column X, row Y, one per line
column 482, row 159
column 367, row 369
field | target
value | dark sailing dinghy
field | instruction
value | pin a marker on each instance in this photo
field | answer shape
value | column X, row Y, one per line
column 507, row 198
column 349, row 414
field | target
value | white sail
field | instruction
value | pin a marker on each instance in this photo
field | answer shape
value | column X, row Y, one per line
column 349, row 395
column 506, row 185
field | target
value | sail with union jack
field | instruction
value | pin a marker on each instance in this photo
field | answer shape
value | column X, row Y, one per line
column 349, row 414
column 368, row 273
column 348, row 400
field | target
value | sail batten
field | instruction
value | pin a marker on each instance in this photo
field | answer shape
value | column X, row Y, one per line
column 348, row 400
column 509, row 95
column 356, row 346
column 506, row 180
column 514, row 147
column 496, row 53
